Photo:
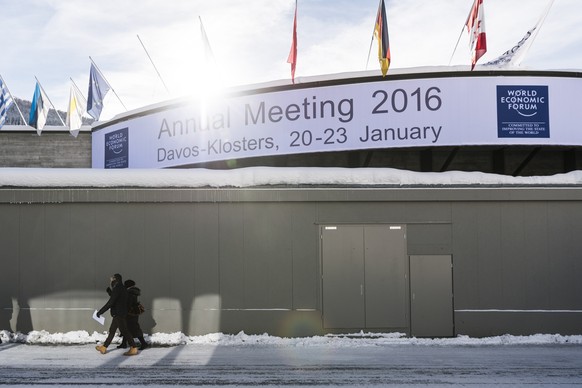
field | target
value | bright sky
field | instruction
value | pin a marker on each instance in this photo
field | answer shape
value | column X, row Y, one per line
column 53, row 39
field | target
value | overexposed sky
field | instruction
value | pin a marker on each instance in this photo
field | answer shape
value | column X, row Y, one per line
column 53, row 39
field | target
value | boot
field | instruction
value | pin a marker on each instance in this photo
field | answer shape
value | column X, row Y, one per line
column 102, row 349
column 131, row 352
column 123, row 345
column 144, row 344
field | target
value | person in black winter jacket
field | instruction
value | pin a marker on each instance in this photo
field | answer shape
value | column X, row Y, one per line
column 133, row 313
column 117, row 303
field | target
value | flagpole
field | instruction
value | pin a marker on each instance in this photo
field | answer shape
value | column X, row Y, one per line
column 455, row 50
column 153, row 64
column 76, row 87
column 373, row 32
column 113, row 90
column 459, row 39
column 206, row 42
column 535, row 34
column 14, row 100
column 48, row 98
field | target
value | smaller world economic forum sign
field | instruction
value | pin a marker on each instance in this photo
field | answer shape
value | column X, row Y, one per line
column 451, row 109
column 117, row 149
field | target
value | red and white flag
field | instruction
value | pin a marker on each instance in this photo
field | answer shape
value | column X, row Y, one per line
column 292, row 59
column 476, row 27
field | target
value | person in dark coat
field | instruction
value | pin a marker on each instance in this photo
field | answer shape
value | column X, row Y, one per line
column 117, row 303
column 132, row 319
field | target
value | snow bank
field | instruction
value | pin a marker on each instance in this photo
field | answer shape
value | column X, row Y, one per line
column 360, row 339
column 264, row 176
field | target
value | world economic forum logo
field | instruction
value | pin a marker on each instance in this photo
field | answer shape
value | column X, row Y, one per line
column 523, row 111
column 117, row 149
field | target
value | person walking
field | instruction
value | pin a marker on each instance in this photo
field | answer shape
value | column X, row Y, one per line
column 118, row 304
column 134, row 311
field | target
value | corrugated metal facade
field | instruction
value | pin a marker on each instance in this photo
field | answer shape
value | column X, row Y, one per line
column 226, row 260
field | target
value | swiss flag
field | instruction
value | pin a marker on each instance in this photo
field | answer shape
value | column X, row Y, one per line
column 476, row 28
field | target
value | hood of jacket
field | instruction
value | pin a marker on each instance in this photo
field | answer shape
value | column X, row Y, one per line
column 134, row 291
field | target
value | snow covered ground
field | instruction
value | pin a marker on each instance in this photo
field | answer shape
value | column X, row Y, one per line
column 350, row 340
column 359, row 359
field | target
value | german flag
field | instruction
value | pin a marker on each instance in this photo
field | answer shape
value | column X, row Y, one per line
column 381, row 34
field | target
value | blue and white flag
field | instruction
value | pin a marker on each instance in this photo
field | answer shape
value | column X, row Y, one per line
column 38, row 110
column 98, row 88
column 5, row 103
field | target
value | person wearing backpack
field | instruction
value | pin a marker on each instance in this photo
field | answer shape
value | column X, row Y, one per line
column 118, row 303
column 135, row 309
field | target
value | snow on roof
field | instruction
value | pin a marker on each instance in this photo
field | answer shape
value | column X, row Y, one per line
column 266, row 176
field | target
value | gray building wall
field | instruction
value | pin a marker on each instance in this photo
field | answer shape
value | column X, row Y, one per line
column 226, row 260
column 54, row 148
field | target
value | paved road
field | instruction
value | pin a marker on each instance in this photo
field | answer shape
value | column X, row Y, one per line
column 272, row 365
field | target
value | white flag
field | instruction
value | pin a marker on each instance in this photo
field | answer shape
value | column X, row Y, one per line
column 510, row 56
column 75, row 111
column 515, row 55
